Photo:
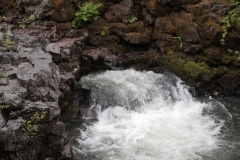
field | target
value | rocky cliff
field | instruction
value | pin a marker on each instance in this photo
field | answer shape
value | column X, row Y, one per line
column 42, row 58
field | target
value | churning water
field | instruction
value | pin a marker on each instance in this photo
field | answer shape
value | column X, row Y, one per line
column 149, row 116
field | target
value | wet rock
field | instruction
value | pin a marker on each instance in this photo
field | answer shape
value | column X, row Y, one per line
column 3, row 81
column 67, row 78
column 31, row 87
column 162, row 8
column 12, row 136
column 210, row 29
column 59, row 128
column 66, row 152
column 12, row 99
column 100, row 54
column 3, row 121
column 30, row 108
column 128, row 3
column 200, row 10
column 65, row 48
column 17, row 87
column 147, row 16
column 70, row 105
column 60, row 10
column 135, row 33
column 136, row 38
column 185, row 28
column 163, row 25
column 118, row 13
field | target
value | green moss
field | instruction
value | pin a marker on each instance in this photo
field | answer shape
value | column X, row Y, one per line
column 226, row 59
column 194, row 69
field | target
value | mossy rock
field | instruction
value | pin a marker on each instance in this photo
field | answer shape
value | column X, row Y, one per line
column 194, row 70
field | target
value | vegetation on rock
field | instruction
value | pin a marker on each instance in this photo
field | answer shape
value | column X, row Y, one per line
column 104, row 31
column 232, row 16
column 132, row 19
column 3, row 106
column 87, row 11
column 6, row 40
column 2, row 18
column 22, row 24
column 30, row 124
column 180, row 39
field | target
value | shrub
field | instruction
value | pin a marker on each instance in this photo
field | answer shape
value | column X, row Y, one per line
column 87, row 11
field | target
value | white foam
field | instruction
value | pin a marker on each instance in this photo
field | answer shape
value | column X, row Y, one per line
column 167, row 125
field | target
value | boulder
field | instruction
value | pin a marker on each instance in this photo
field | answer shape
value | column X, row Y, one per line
column 118, row 13
column 65, row 48
column 12, row 137
column 59, row 10
column 136, row 38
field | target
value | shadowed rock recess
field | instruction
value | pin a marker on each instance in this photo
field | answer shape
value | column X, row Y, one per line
column 42, row 60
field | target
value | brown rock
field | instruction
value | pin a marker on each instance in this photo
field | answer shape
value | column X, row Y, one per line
column 163, row 29
column 136, row 38
column 157, row 9
column 211, row 30
column 59, row 10
column 185, row 28
column 118, row 13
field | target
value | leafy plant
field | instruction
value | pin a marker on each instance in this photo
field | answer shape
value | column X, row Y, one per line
column 73, row 58
column 30, row 124
column 22, row 24
column 232, row 16
column 132, row 19
column 2, row 18
column 235, row 52
column 3, row 76
column 104, row 31
column 7, row 42
column 87, row 11
column 2, row 106
column 180, row 39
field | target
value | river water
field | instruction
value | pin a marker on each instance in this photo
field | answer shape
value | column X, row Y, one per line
column 147, row 116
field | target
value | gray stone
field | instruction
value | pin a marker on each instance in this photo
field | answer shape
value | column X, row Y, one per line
column 67, row 152
column 11, row 136
column 59, row 128
column 30, row 108
column 12, row 99
column 3, row 81
column 2, row 120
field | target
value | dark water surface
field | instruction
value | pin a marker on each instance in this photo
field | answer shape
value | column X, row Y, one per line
column 232, row 131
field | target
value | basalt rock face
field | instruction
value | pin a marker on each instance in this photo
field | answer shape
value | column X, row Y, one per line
column 59, row 10
column 30, row 126
column 183, row 36
column 37, row 72
column 41, row 64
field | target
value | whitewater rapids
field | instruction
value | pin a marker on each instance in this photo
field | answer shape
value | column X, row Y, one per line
column 148, row 116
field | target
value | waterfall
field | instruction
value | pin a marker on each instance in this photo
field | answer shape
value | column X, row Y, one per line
column 148, row 116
